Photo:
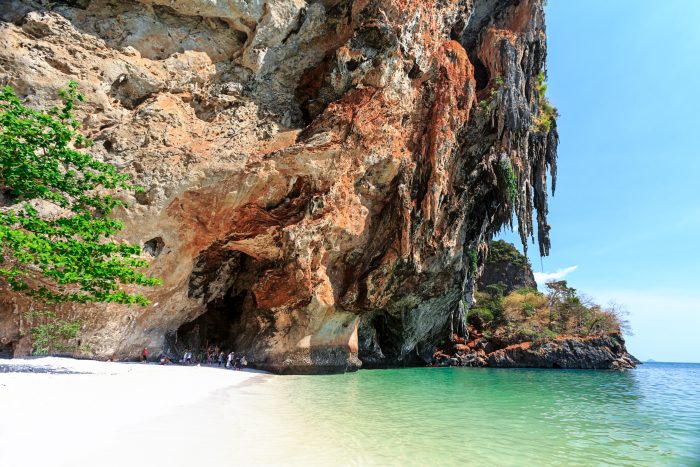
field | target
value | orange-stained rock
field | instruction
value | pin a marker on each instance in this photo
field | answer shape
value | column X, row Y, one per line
column 277, row 288
column 317, row 173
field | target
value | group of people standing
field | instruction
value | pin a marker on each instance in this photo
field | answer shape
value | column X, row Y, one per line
column 214, row 355
column 217, row 356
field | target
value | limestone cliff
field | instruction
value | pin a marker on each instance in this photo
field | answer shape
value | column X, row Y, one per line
column 506, row 268
column 322, row 176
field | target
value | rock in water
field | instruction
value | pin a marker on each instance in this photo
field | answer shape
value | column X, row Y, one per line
column 499, row 343
column 321, row 178
column 595, row 352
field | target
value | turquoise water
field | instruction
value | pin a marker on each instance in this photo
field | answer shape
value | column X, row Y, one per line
column 499, row 417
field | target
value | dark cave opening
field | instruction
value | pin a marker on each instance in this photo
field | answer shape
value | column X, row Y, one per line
column 7, row 350
column 219, row 326
column 221, row 280
column 481, row 74
column 383, row 333
column 383, row 344
column 154, row 246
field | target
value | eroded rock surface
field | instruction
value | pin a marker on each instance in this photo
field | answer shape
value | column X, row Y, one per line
column 321, row 177
column 596, row 352
column 500, row 344
column 506, row 268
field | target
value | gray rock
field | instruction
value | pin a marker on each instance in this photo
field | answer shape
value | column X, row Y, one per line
column 597, row 352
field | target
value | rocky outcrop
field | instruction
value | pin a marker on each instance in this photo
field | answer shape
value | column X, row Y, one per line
column 500, row 344
column 506, row 268
column 321, row 177
column 599, row 352
column 595, row 352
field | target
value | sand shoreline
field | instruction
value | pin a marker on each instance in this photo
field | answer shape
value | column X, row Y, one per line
column 44, row 364
column 62, row 411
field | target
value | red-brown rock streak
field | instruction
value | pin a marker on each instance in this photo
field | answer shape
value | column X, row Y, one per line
column 319, row 174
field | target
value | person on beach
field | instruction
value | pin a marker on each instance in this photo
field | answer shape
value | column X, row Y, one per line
column 222, row 355
column 230, row 360
column 240, row 363
column 144, row 355
column 188, row 357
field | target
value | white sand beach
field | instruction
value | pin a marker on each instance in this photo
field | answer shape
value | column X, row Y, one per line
column 65, row 412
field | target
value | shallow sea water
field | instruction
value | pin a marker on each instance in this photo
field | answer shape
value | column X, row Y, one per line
column 408, row 417
column 467, row 416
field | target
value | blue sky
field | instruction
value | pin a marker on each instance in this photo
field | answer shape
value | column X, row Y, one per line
column 625, row 76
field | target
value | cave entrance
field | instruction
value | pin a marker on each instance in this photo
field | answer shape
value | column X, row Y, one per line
column 481, row 74
column 221, row 280
column 216, row 327
column 382, row 343
column 7, row 350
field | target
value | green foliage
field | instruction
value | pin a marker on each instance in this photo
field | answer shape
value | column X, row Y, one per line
column 51, row 334
column 504, row 252
column 493, row 95
column 473, row 261
column 561, row 312
column 528, row 315
column 509, row 179
column 66, row 256
column 488, row 310
column 485, row 315
column 560, row 291
column 547, row 113
column 496, row 290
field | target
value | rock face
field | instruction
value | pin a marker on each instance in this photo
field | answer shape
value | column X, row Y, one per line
column 506, row 267
column 321, row 177
column 509, row 270
column 597, row 352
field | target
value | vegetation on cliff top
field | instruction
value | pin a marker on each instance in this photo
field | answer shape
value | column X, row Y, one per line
column 501, row 251
column 527, row 314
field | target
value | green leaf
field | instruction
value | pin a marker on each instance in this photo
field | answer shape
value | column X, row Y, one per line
column 70, row 258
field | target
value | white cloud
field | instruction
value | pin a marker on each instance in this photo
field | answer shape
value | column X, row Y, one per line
column 543, row 277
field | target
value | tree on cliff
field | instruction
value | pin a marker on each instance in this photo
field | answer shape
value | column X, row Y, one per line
column 55, row 203
column 527, row 314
